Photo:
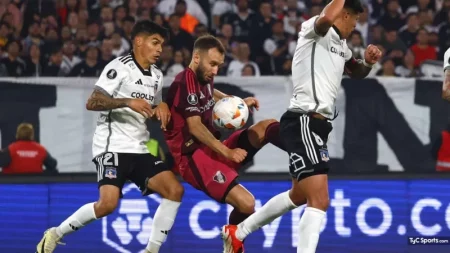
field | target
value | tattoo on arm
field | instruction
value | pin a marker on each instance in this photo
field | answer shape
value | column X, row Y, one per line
column 101, row 102
column 356, row 69
column 446, row 86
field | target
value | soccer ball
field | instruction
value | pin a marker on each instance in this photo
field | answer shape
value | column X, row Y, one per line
column 230, row 113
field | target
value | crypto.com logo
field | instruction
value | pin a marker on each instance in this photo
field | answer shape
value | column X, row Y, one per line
column 132, row 222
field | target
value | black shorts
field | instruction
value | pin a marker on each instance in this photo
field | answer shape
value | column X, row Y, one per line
column 306, row 139
column 116, row 168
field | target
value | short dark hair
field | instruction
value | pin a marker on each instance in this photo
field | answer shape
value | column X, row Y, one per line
column 354, row 5
column 206, row 42
column 148, row 28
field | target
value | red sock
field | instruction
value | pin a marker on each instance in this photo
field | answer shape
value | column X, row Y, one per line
column 273, row 135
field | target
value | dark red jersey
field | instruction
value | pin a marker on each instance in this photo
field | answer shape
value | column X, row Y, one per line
column 187, row 98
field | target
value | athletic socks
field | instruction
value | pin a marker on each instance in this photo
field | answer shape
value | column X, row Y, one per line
column 274, row 208
column 272, row 135
column 310, row 224
column 162, row 224
column 80, row 218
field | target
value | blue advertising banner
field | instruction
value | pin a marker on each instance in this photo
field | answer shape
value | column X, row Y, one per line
column 364, row 216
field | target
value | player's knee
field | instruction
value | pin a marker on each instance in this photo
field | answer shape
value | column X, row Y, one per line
column 104, row 207
column 246, row 204
column 297, row 198
column 320, row 202
column 257, row 132
column 175, row 192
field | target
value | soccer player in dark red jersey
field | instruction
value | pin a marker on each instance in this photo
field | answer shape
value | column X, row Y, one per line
column 200, row 157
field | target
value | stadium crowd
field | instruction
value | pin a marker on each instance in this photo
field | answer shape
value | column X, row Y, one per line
column 79, row 37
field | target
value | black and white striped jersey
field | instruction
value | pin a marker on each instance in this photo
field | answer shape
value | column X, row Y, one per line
column 123, row 130
column 317, row 69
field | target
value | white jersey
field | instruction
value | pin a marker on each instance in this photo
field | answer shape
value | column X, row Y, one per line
column 124, row 130
column 447, row 59
column 317, row 69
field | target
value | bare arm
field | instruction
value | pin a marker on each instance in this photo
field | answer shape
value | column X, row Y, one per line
column 446, row 85
column 98, row 101
column 356, row 68
column 218, row 95
column 328, row 16
column 197, row 129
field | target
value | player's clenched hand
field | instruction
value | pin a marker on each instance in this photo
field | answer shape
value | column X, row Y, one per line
column 162, row 113
column 252, row 102
column 236, row 155
column 373, row 54
column 140, row 106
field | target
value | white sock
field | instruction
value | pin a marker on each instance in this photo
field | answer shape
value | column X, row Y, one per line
column 310, row 224
column 274, row 208
column 80, row 218
column 162, row 224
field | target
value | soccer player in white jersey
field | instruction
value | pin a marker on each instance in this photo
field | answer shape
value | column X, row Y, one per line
column 320, row 59
column 127, row 93
column 446, row 84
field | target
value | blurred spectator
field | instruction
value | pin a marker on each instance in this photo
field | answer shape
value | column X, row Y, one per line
column 356, row 44
column 106, row 14
column 441, row 150
column 277, row 48
column 179, row 38
column 167, row 8
column 422, row 5
column 444, row 34
column 392, row 41
column 241, row 20
column 362, row 26
column 187, row 21
column 106, row 53
column 388, row 68
column 177, row 65
column 442, row 15
column 90, row 67
column 248, row 70
column 422, row 50
column 53, row 67
column 243, row 58
column 5, row 35
column 12, row 65
column 133, row 8
column 426, row 20
column 34, row 36
column 25, row 156
column 66, row 34
column 120, row 45
column 220, row 8
column 200, row 30
column 392, row 19
column 120, row 13
column 166, row 58
column 292, row 17
column 407, row 69
column 33, row 62
column 93, row 34
column 408, row 33
column 82, row 42
column 69, row 59
column 127, row 27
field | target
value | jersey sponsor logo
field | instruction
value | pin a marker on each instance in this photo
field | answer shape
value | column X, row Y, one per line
column 219, row 177
column 110, row 172
column 111, row 74
column 131, row 224
column 142, row 95
column 335, row 51
column 192, row 99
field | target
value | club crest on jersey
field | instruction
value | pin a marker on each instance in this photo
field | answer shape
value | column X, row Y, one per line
column 111, row 74
column 110, row 172
column 324, row 155
column 132, row 66
column 192, row 99
column 219, row 177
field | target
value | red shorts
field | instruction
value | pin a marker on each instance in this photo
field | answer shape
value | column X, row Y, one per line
column 210, row 172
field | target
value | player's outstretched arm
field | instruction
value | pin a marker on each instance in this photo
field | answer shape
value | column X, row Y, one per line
column 218, row 95
column 359, row 68
column 328, row 16
column 201, row 132
column 446, row 85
